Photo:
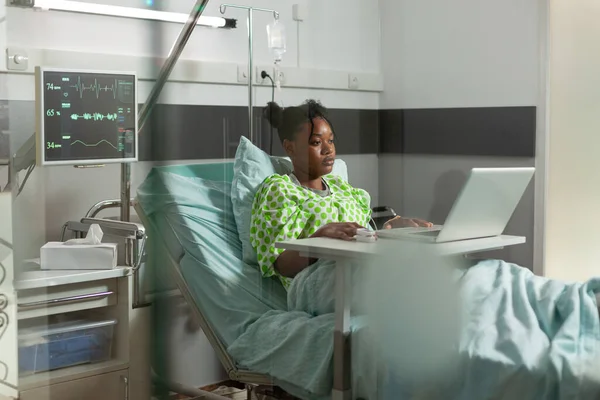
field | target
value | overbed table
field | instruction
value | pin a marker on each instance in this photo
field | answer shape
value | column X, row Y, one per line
column 343, row 253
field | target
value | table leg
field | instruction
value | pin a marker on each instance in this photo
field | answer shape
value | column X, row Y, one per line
column 342, row 389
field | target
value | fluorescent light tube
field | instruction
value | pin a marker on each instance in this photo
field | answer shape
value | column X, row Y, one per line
column 127, row 12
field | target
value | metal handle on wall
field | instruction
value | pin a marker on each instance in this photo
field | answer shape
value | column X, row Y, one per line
column 70, row 299
column 139, row 297
column 126, row 386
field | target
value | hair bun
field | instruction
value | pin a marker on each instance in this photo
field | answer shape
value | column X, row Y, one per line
column 311, row 103
column 274, row 114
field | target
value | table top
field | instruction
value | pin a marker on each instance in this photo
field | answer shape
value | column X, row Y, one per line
column 334, row 249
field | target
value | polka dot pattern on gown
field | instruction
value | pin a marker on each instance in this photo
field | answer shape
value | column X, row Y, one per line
column 284, row 211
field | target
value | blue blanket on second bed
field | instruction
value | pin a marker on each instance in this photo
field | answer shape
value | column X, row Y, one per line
column 522, row 337
column 528, row 337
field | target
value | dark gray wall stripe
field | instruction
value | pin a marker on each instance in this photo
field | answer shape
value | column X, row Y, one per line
column 492, row 131
column 196, row 132
column 356, row 131
column 185, row 132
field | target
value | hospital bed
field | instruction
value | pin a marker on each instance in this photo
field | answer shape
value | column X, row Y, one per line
column 197, row 242
column 188, row 216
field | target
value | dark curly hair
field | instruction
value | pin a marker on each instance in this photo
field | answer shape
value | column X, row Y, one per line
column 288, row 121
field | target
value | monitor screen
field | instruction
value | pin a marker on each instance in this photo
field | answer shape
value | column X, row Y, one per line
column 87, row 117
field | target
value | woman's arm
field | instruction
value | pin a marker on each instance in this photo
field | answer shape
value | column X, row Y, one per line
column 291, row 263
column 399, row 222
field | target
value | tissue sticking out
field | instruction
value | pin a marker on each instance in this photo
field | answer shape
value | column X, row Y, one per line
column 94, row 236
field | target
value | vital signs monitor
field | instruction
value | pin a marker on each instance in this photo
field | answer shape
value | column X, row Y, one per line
column 86, row 117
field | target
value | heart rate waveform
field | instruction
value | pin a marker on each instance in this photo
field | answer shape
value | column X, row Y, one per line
column 95, row 144
column 95, row 116
column 95, row 87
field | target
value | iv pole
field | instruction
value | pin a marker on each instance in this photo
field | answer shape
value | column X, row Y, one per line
column 251, row 10
column 144, row 113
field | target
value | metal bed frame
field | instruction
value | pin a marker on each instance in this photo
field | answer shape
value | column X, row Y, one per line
column 254, row 382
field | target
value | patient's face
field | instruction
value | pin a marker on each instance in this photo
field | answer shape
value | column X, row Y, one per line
column 312, row 153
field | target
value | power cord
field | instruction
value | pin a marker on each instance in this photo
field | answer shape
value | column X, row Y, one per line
column 265, row 75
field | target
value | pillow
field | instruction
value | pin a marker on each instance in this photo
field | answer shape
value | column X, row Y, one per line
column 250, row 168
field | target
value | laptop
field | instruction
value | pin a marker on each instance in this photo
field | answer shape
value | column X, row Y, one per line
column 482, row 209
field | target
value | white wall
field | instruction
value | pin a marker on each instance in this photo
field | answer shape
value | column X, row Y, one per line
column 573, row 191
column 338, row 35
column 464, row 53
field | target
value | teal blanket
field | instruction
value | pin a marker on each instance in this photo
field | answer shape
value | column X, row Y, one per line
column 520, row 337
column 527, row 337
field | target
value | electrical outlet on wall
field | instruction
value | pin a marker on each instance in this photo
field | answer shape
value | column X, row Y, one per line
column 281, row 76
column 353, row 81
column 258, row 76
column 258, row 79
column 242, row 74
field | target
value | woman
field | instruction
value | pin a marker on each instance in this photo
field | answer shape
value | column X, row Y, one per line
column 309, row 202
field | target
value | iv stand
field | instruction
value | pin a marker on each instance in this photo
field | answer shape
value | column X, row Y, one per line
column 144, row 113
column 251, row 10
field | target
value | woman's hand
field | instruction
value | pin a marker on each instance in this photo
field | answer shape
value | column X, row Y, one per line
column 338, row 230
column 399, row 222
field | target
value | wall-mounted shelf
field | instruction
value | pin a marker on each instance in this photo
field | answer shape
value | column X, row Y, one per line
column 196, row 71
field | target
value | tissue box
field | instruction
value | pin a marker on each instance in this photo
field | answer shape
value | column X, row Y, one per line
column 57, row 255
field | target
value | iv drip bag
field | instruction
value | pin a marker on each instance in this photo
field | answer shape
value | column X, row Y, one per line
column 277, row 40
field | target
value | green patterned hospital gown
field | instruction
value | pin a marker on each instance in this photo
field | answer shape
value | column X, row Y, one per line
column 283, row 210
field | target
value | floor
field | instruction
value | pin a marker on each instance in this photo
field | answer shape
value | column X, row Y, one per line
column 234, row 392
column 225, row 389
column 231, row 393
